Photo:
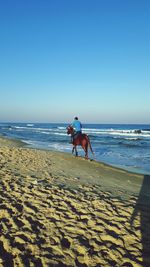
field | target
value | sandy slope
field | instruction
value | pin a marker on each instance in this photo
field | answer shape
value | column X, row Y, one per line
column 57, row 210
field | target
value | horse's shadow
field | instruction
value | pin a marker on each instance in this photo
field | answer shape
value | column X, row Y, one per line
column 142, row 209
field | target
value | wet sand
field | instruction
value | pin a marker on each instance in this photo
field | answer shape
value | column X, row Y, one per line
column 58, row 210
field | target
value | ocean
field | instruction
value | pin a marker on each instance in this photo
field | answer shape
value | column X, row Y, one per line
column 119, row 145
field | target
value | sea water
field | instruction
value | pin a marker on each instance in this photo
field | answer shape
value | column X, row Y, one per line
column 124, row 146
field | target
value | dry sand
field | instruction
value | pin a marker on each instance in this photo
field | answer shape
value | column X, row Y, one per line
column 58, row 210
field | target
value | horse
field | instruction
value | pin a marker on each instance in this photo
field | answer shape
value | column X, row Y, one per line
column 80, row 140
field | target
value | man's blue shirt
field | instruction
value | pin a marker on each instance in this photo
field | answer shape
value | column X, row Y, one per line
column 77, row 125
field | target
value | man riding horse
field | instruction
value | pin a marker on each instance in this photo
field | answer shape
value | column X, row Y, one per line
column 77, row 126
column 77, row 138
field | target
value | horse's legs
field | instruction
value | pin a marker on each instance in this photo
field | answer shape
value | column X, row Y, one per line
column 76, row 151
column 74, row 148
column 85, row 150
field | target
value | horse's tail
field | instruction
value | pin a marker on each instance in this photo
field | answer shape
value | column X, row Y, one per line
column 89, row 145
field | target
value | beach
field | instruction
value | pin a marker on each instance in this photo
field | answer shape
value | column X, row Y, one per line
column 59, row 210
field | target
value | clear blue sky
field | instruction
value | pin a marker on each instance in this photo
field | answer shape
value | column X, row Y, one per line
column 66, row 58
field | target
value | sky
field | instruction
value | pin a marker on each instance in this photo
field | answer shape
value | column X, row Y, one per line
column 65, row 58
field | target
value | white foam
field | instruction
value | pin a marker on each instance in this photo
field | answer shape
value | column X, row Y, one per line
column 63, row 134
column 129, row 134
column 29, row 142
column 132, row 138
column 19, row 127
column 45, row 132
column 62, row 128
column 58, row 146
column 30, row 124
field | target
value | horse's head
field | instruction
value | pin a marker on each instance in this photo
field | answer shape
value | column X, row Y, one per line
column 70, row 129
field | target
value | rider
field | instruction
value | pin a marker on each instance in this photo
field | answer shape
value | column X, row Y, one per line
column 77, row 126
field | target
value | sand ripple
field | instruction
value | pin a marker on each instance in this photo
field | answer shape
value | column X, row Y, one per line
column 44, row 224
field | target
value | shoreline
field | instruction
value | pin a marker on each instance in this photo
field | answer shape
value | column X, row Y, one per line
column 11, row 142
column 115, row 166
column 129, row 181
column 58, row 210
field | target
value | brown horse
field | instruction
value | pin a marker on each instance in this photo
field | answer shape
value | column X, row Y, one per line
column 80, row 140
